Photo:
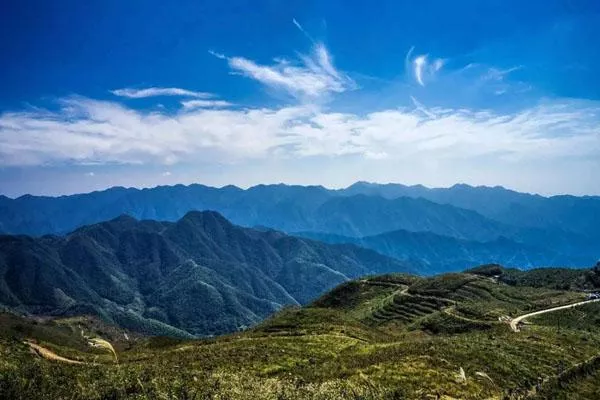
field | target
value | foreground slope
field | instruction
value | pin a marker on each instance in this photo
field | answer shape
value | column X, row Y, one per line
column 200, row 275
column 385, row 337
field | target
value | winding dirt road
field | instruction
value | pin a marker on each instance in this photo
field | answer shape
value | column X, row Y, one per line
column 49, row 354
column 514, row 324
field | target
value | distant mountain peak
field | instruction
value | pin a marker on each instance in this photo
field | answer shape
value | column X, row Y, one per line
column 124, row 218
column 232, row 187
column 204, row 217
column 361, row 183
column 122, row 222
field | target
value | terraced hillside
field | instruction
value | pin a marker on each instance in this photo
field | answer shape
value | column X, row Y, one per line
column 406, row 308
column 384, row 337
column 470, row 297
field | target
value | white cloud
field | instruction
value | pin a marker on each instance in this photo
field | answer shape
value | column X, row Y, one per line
column 496, row 74
column 87, row 132
column 491, row 80
column 420, row 64
column 382, row 155
column 421, row 68
column 191, row 104
column 166, row 173
column 158, row 91
column 311, row 77
column 301, row 29
column 90, row 174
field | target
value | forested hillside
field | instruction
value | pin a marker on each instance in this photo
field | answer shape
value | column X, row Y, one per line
column 200, row 275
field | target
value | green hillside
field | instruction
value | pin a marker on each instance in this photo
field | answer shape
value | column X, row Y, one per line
column 201, row 275
column 382, row 337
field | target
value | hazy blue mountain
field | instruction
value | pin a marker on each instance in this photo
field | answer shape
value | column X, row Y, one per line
column 579, row 215
column 267, row 205
column 293, row 207
column 437, row 254
column 199, row 275
column 363, row 215
column 564, row 225
column 287, row 208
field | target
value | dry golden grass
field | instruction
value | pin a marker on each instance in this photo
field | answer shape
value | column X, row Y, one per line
column 104, row 344
column 49, row 354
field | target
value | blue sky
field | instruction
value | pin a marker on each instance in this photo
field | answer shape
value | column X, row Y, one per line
column 141, row 93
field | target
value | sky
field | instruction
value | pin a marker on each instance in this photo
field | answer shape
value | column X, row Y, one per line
column 106, row 93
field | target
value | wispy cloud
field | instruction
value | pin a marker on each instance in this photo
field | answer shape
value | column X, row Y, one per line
column 191, row 104
column 301, row 29
column 86, row 131
column 310, row 77
column 496, row 74
column 421, row 68
column 133, row 93
column 492, row 80
column 420, row 63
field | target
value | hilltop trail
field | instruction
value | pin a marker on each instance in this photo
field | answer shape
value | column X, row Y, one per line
column 515, row 322
column 49, row 354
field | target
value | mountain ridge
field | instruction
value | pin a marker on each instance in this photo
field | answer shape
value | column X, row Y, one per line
column 438, row 254
column 558, row 224
column 200, row 275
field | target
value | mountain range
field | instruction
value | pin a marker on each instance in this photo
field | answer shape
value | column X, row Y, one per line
column 482, row 224
column 201, row 275
column 436, row 253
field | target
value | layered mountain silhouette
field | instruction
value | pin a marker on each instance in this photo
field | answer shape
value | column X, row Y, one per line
column 580, row 215
column 201, row 275
column 437, row 254
column 501, row 221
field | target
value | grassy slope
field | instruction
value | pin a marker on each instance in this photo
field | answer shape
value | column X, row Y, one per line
column 381, row 337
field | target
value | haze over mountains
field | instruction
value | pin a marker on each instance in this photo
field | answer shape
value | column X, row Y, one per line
column 465, row 225
column 437, row 253
column 201, row 275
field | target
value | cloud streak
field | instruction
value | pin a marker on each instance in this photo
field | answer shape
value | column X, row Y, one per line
column 301, row 29
column 421, row 68
column 420, row 63
column 191, row 104
column 310, row 77
column 132, row 93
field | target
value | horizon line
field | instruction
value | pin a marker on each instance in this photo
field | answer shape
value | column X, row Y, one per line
column 332, row 189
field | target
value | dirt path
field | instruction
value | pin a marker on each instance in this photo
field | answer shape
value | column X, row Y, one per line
column 514, row 324
column 49, row 354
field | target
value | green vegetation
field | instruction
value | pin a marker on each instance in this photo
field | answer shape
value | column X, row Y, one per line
column 554, row 278
column 386, row 337
column 199, row 276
